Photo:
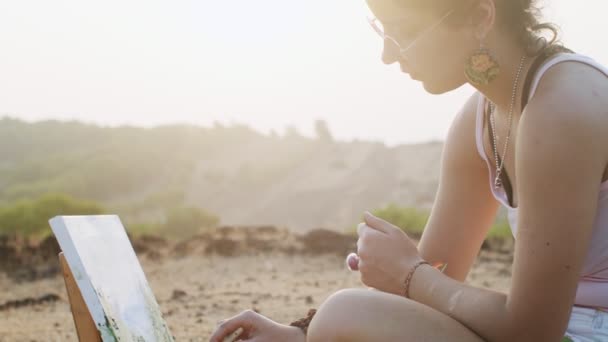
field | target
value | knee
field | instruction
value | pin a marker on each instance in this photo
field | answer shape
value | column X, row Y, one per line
column 334, row 318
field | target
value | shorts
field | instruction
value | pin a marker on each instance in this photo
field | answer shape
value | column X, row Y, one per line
column 587, row 325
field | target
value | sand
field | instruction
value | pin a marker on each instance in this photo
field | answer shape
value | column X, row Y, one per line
column 197, row 285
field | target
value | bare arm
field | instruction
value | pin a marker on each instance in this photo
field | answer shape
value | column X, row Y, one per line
column 560, row 159
column 464, row 207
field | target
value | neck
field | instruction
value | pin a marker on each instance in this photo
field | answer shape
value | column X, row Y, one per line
column 500, row 90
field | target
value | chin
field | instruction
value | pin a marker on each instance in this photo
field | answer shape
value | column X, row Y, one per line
column 438, row 88
column 434, row 89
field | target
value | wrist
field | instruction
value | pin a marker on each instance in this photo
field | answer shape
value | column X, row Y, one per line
column 409, row 275
column 294, row 334
column 421, row 282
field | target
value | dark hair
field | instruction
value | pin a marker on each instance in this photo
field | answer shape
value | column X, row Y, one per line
column 521, row 17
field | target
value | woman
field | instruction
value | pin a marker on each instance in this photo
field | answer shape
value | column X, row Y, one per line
column 538, row 130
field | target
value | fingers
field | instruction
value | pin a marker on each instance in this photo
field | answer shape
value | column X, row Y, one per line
column 360, row 228
column 244, row 320
column 363, row 269
column 374, row 223
column 365, row 229
column 370, row 236
column 234, row 336
column 377, row 223
column 369, row 240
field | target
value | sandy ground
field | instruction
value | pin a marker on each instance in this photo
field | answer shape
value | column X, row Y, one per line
column 195, row 290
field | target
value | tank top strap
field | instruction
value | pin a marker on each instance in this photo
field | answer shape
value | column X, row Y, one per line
column 481, row 104
column 559, row 57
column 534, row 74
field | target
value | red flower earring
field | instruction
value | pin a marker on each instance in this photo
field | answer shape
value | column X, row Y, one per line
column 481, row 68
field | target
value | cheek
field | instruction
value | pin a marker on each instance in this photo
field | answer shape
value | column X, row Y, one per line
column 443, row 60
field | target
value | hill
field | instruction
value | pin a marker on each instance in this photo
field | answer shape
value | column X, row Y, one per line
column 242, row 176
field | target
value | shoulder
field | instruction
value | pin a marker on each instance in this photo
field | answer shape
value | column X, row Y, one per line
column 461, row 139
column 464, row 123
column 572, row 87
column 468, row 112
column 570, row 105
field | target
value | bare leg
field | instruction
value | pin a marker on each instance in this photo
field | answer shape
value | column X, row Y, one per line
column 367, row 315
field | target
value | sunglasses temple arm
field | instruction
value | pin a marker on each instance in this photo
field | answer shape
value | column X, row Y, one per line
column 434, row 26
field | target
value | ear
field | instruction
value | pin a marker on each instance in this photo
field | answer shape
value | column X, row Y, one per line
column 483, row 18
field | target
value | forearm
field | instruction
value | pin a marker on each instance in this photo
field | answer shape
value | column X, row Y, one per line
column 481, row 310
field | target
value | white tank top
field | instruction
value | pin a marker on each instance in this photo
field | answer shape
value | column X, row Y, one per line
column 593, row 285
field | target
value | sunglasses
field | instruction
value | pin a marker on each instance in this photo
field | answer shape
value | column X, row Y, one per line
column 379, row 29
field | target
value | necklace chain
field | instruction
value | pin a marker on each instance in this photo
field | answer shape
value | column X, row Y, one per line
column 497, row 180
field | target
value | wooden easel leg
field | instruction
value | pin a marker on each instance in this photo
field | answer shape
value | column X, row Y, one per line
column 85, row 326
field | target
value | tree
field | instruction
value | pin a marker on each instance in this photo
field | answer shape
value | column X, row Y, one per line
column 322, row 131
column 292, row 132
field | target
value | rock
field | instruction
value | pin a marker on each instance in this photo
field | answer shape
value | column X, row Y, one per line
column 178, row 294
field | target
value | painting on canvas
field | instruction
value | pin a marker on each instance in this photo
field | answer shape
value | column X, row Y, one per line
column 110, row 278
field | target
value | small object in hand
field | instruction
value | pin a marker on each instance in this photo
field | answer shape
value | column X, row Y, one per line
column 232, row 337
column 303, row 323
column 352, row 262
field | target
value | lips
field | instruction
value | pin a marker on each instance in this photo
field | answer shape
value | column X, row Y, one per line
column 409, row 72
column 404, row 66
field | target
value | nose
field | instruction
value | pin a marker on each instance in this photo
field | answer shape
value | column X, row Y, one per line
column 390, row 52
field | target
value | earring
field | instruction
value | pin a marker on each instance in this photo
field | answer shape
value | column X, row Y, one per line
column 481, row 68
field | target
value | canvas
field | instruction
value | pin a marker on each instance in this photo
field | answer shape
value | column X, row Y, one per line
column 110, row 278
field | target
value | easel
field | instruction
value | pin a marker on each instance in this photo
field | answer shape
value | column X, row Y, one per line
column 85, row 326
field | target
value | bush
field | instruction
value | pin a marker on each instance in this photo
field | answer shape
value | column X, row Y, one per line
column 410, row 220
column 413, row 221
column 30, row 217
column 138, row 228
column 188, row 221
column 501, row 230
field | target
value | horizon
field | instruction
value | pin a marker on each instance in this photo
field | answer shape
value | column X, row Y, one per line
column 151, row 63
column 214, row 125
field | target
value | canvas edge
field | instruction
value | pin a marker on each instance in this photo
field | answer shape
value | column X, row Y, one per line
column 59, row 228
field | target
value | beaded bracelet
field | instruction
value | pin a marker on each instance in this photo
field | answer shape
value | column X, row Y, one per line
column 408, row 279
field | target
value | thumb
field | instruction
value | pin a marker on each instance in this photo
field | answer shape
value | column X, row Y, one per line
column 239, row 326
column 377, row 223
column 236, row 336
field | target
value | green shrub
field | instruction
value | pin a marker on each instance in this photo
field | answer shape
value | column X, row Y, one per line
column 500, row 229
column 413, row 221
column 30, row 217
column 410, row 220
column 188, row 221
column 139, row 228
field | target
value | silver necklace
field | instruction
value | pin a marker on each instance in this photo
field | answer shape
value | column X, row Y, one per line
column 497, row 180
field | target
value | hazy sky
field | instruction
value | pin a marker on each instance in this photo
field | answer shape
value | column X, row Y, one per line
column 265, row 63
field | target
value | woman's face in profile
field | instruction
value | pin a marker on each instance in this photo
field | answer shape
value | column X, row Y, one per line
column 425, row 42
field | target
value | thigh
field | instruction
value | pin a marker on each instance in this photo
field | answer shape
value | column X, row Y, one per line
column 369, row 315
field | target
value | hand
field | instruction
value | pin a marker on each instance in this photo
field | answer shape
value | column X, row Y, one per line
column 256, row 328
column 385, row 255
